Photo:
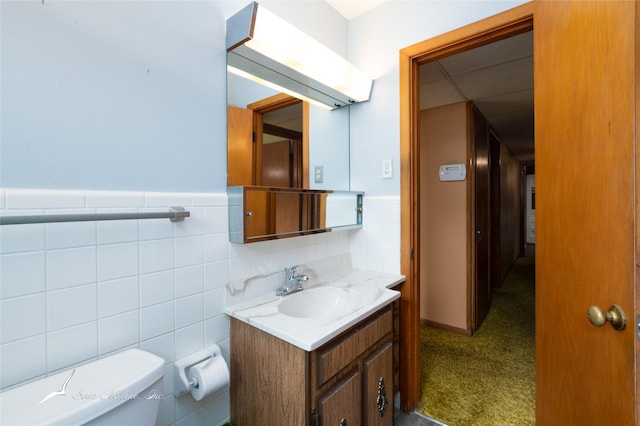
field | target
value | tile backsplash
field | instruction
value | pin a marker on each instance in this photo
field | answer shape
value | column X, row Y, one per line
column 74, row 292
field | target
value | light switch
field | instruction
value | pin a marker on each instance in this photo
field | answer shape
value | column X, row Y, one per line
column 387, row 168
column 319, row 174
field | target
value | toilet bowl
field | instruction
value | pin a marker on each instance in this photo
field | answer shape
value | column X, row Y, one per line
column 122, row 389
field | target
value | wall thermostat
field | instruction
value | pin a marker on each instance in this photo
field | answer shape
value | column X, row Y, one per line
column 449, row 172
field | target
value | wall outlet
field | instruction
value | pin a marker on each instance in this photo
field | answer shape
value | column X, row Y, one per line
column 387, row 168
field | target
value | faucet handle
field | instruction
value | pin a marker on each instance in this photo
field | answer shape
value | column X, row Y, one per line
column 291, row 271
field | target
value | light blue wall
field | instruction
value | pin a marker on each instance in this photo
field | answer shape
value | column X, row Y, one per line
column 131, row 95
column 375, row 40
column 124, row 95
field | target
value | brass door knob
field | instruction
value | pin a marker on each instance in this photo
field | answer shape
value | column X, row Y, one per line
column 615, row 315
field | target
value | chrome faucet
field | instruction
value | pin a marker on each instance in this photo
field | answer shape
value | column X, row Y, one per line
column 292, row 282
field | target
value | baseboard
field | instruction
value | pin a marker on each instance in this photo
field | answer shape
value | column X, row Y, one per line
column 456, row 330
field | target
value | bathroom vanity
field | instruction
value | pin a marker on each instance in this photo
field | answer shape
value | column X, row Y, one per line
column 306, row 367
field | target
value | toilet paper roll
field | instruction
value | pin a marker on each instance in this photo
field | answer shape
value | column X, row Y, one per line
column 211, row 376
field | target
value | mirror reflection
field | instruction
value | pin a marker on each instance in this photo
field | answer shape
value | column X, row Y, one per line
column 277, row 140
column 260, row 213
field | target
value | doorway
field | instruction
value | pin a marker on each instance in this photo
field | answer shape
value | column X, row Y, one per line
column 412, row 58
column 282, row 147
column 586, row 174
column 273, row 134
column 469, row 229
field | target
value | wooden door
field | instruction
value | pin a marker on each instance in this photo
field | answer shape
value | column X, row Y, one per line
column 240, row 147
column 282, row 164
column 276, row 164
column 482, row 230
column 584, row 55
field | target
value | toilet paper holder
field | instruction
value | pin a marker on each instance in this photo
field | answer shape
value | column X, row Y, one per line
column 182, row 384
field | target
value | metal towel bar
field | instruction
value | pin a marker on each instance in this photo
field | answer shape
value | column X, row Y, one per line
column 175, row 214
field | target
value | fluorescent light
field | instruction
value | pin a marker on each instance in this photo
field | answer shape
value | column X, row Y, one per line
column 272, row 85
column 269, row 48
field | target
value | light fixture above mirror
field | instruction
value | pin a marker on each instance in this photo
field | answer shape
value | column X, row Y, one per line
column 263, row 47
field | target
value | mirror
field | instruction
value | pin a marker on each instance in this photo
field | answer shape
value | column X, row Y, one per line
column 288, row 159
column 261, row 213
column 325, row 137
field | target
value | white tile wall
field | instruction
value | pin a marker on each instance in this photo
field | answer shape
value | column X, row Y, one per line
column 73, row 292
column 377, row 245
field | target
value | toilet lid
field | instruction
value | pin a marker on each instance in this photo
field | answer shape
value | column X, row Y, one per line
column 81, row 394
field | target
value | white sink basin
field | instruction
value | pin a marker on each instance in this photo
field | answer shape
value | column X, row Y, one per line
column 316, row 302
column 320, row 312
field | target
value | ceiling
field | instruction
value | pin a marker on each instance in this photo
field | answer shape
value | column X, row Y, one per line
column 352, row 8
column 498, row 78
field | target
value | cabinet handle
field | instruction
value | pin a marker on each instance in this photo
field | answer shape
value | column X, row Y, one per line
column 315, row 418
column 343, row 422
column 382, row 397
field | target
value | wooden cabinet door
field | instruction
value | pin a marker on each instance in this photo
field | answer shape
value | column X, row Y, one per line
column 378, row 387
column 341, row 405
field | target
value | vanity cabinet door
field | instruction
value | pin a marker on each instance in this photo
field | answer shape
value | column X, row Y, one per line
column 378, row 387
column 340, row 406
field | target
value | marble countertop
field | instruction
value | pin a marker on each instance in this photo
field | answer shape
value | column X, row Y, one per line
column 362, row 292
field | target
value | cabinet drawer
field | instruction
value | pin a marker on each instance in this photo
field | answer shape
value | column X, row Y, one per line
column 334, row 357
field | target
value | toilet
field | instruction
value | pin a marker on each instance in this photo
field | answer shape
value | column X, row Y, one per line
column 121, row 389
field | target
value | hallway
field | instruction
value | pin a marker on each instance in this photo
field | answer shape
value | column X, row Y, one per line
column 487, row 379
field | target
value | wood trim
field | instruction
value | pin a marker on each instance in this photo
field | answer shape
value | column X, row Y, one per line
column 526, row 168
column 257, row 147
column 410, row 379
column 281, row 132
column 273, row 103
column 506, row 24
column 471, row 219
column 305, row 145
column 495, row 28
column 636, row 294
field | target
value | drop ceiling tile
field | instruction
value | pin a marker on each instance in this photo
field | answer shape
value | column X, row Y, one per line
column 430, row 72
column 507, row 50
column 508, row 103
column 437, row 94
column 498, row 80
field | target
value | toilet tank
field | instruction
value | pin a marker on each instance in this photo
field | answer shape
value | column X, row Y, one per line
column 125, row 388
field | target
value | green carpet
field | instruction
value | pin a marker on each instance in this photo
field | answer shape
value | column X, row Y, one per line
column 487, row 379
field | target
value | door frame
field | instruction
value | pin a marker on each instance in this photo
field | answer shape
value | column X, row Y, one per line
column 498, row 27
column 273, row 103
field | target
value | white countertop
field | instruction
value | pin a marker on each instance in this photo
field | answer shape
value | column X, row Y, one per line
column 366, row 292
